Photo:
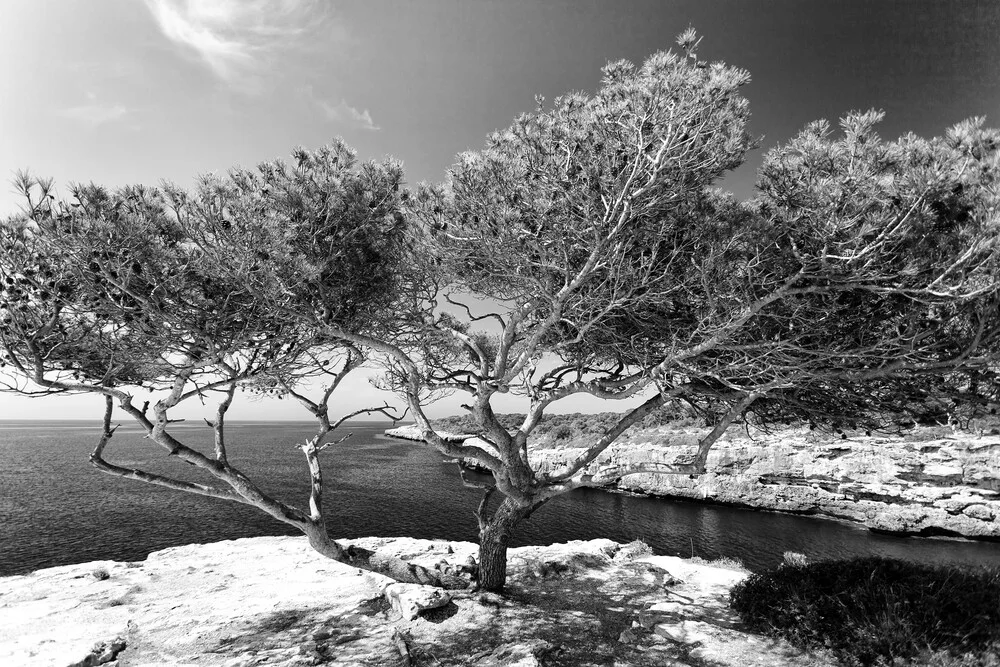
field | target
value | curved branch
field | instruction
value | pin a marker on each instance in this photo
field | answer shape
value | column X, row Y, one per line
column 98, row 461
column 475, row 318
column 591, row 453
column 387, row 410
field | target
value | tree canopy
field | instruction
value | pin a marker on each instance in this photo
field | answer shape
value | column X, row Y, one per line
column 193, row 296
column 584, row 250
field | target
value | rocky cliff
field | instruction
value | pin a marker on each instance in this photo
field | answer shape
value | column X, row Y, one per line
column 927, row 482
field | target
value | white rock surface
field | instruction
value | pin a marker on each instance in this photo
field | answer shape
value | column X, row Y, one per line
column 274, row 601
column 410, row 599
column 684, row 632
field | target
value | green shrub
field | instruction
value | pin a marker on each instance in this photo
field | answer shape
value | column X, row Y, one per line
column 723, row 563
column 878, row 611
column 989, row 657
column 563, row 432
column 633, row 550
column 586, row 424
column 794, row 559
column 466, row 424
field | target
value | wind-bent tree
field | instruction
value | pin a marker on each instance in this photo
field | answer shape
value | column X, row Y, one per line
column 860, row 284
column 172, row 293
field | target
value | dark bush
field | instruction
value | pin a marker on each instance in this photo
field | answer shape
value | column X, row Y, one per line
column 563, row 432
column 466, row 424
column 872, row 611
column 585, row 424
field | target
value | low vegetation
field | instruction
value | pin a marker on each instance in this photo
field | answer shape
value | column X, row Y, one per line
column 574, row 428
column 578, row 430
column 878, row 611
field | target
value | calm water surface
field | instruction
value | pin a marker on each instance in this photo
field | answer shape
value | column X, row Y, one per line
column 55, row 509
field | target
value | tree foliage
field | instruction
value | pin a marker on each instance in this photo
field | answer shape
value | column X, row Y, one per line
column 584, row 250
column 582, row 210
column 195, row 295
column 324, row 235
column 896, row 244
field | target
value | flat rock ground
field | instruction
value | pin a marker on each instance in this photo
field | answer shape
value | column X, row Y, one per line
column 274, row 601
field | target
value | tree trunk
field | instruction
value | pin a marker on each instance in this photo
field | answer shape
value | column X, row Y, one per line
column 454, row 578
column 494, row 536
column 321, row 542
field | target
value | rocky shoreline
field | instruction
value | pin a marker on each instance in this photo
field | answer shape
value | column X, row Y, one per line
column 924, row 483
column 274, row 601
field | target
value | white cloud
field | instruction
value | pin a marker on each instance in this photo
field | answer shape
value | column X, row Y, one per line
column 341, row 113
column 345, row 113
column 235, row 37
column 95, row 113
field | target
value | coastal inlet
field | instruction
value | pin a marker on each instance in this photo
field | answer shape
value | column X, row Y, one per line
column 55, row 509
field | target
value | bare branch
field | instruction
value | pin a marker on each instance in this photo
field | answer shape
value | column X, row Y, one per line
column 98, row 461
column 476, row 318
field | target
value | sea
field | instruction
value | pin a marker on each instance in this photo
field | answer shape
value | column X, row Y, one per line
column 56, row 509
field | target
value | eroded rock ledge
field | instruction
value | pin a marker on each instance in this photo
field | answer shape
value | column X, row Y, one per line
column 274, row 601
column 913, row 485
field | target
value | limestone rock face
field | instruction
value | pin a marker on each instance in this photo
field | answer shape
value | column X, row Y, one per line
column 411, row 599
column 412, row 433
column 928, row 482
column 685, row 632
column 946, row 485
column 516, row 655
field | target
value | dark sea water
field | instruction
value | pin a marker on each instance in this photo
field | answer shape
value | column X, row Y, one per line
column 55, row 509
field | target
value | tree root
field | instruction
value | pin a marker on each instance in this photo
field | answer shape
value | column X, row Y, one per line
column 446, row 576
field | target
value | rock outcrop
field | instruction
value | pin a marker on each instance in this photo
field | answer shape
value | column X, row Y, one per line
column 274, row 601
column 408, row 600
column 922, row 483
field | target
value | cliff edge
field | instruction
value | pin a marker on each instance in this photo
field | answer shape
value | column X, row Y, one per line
column 926, row 482
column 274, row 601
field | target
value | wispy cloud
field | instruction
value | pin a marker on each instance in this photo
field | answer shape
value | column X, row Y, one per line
column 345, row 113
column 341, row 113
column 234, row 38
column 95, row 113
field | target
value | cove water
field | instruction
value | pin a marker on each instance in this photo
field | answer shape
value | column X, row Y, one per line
column 55, row 509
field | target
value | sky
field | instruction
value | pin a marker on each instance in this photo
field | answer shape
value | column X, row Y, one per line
column 141, row 91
